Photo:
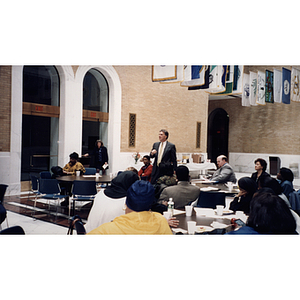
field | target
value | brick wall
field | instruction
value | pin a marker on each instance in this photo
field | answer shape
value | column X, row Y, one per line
column 273, row 128
column 160, row 106
column 5, row 107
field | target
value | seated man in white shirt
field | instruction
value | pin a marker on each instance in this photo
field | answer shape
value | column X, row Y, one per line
column 225, row 172
column 183, row 193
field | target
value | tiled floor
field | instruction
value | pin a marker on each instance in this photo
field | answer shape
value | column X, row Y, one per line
column 39, row 220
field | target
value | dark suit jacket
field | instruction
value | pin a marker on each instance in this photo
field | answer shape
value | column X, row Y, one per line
column 169, row 156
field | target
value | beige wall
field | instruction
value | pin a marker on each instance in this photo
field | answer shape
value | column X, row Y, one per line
column 179, row 112
column 5, row 107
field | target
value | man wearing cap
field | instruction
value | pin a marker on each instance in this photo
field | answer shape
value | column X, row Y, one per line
column 183, row 193
column 137, row 219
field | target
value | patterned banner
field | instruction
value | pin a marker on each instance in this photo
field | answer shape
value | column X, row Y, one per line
column 277, row 86
column 253, row 88
column 228, row 80
column 269, row 87
column 238, row 80
column 206, row 79
column 179, row 76
column 246, row 90
column 286, row 86
column 295, row 93
column 261, row 85
column 215, row 79
column 194, row 76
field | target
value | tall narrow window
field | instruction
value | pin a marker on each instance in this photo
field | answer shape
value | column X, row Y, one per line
column 95, row 110
column 198, row 135
column 132, row 128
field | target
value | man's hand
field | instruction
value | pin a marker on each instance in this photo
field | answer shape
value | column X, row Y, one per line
column 153, row 152
column 173, row 222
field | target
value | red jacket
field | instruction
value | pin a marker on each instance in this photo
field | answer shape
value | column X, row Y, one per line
column 147, row 172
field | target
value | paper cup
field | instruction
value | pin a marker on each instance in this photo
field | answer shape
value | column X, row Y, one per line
column 191, row 227
column 77, row 173
column 167, row 214
column 188, row 210
column 239, row 214
column 220, row 210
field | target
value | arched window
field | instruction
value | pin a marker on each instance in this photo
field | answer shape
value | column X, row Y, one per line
column 95, row 110
column 40, row 119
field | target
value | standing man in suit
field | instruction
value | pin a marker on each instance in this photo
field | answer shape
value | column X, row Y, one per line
column 164, row 152
column 225, row 172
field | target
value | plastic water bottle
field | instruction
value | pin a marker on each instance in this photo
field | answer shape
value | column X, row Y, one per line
column 171, row 206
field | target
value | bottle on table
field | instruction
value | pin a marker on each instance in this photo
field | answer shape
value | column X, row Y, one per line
column 171, row 206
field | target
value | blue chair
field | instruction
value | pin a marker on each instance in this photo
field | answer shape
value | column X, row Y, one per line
column 90, row 171
column 49, row 189
column 45, row 175
column 83, row 191
column 35, row 190
column 211, row 199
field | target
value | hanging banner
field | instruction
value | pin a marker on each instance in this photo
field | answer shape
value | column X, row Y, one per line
column 286, row 86
column 206, row 80
column 164, row 72
column 215, row 79
column 253, row 88
column 179, row 76
column 246, row 90
column 269, row 87
column 277, row 86
column 295, row 93
column 194, row 76
column 261, row 86
column 228, row 81
column 238, row 80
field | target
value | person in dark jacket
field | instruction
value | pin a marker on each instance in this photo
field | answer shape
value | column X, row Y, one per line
column 285, row 178
column 260, row 168
column 269, row 214
column 242, row 201
column 99, row 157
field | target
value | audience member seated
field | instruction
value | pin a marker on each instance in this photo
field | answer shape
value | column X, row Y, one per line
column 167, row 178
column 242, row 201
column 73, row 165
column 146, row 170
column 137, row 219
column 183, row 193
column 285, row 178
column 109, row 203
column 274, row 185
column 225, row 172
column 260, row 168
column 269, row 214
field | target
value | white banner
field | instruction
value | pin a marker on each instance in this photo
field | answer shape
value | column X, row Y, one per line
column 295, row 92
column 246, row 90
column 253, row 88
column 164, row 72
column 277, row 86
column 261, row 88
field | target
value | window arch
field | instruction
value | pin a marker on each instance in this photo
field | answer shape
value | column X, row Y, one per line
column 95, row 110
column 40, row 121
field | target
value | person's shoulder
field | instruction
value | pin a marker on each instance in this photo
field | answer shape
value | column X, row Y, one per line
column 244, row 230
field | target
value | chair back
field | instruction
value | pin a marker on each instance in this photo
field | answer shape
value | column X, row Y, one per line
column 49, row 186
column 13, row 230
column 210, row 199
column 34, row 183
column 3, row 188
column 45, row 175
column 84, row 188
column 90, row 171
column 294, row 199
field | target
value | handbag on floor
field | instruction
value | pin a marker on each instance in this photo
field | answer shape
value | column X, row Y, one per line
column 76, row 223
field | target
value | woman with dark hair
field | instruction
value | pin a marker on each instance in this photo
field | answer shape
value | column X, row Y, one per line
column 260, row 168
column 242, row 201
column 99, row 157
column 285, row 178
column 269, row 214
